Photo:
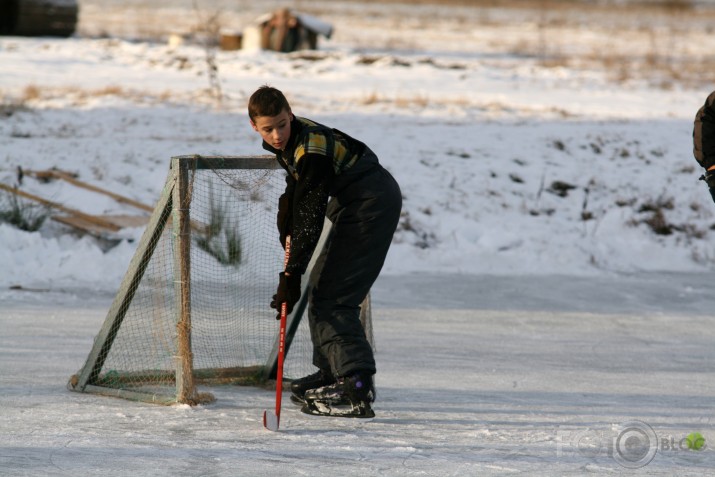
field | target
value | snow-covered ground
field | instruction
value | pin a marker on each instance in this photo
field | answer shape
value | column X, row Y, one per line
column 508, row 163
column 526, row 299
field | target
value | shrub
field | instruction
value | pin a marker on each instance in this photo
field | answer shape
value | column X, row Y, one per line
column 220, row 238
column 23, row 215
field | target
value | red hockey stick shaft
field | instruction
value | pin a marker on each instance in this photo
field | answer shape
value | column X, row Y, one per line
column 282, row 341
column 281, row 353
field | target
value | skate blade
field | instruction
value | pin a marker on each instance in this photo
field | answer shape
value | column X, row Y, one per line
column 270, row 420
column 296, row 400
column 316, row 408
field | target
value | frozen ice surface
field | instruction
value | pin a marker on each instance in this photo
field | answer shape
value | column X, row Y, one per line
column 477, row 376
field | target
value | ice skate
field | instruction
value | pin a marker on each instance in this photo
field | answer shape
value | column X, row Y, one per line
column 349, row 396
column 316, row 380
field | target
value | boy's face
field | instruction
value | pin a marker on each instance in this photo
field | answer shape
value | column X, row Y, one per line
column 275, row 130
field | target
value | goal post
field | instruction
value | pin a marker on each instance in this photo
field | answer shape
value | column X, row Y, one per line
column 192, row 308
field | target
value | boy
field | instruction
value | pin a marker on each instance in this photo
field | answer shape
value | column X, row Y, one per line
column 365, row 208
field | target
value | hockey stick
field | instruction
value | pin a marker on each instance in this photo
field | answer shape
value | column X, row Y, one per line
column 271, row 420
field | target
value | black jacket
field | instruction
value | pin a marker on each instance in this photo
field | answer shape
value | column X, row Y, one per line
column 320, row 162
column 704, row 133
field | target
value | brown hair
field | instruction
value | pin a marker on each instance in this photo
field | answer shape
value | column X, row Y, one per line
column 267, row 101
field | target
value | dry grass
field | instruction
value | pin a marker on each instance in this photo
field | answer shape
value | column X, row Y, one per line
column 371, row 98
column 112, row 90
column 418, row 101
column 45, row 93
column 454, row 103
column 653, row 42
column 665, row 6
column 659, row 70
column 31, row 92
column 79, row 96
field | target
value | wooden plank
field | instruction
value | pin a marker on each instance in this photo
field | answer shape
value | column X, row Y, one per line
column 67, row 177
column 185, row 388
column 148, row 397
column 126, row 221
column 84, row 225
column 229, row 162
column 92, row 219
column 121, row 221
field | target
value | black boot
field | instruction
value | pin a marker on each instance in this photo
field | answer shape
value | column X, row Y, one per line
column 316, row 380
column 349, row 396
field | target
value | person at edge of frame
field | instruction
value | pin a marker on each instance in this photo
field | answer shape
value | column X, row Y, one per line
column 704, row 141
column 329, row 173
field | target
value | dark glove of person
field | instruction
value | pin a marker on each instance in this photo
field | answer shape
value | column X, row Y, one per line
column 283, row 219
column 288, row 292
column 709, row 178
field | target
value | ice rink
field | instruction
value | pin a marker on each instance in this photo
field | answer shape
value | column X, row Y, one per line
column 477, row 376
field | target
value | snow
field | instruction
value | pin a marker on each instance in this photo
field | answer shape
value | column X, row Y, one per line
column 511, row 314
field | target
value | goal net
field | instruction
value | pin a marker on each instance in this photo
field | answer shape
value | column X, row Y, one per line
column 193, row 306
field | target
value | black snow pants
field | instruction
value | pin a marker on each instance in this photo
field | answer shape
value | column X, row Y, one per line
column 364, row 213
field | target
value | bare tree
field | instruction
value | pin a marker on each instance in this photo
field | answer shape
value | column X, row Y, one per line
column 209, row 30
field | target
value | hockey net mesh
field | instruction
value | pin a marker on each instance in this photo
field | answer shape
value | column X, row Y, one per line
column 235, row 259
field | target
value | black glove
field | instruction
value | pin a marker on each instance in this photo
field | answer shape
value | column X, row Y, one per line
column 288, row 292
column 709, row 178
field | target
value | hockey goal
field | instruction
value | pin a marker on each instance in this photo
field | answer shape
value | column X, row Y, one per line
column 193, row 306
